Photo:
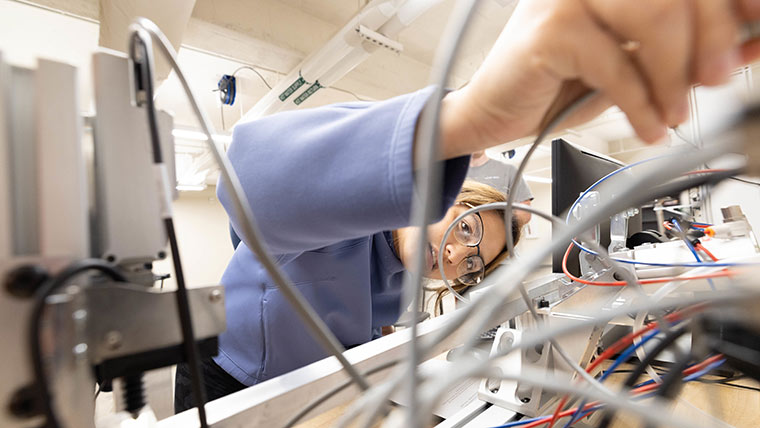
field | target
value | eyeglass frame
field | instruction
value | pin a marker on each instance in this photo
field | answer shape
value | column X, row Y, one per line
column 475, row 245
column 472, row 209
column 484, row 207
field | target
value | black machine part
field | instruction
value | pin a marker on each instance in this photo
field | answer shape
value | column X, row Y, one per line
column 738, row 341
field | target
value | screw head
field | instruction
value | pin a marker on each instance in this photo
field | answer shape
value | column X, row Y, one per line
column 113, row 340
column 215, row 296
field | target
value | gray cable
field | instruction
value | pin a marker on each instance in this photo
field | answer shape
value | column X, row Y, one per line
column 429, row 178
column 562, row 115
column 478, row 314
column 249, row 230
column 380, row 392
column 651, row 411
column 632, row 193
column 556, row 120
column 635, row 191
column 329, row 394
column 557, row 222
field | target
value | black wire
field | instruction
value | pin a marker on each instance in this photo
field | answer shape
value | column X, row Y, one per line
column 183, row 306
column 143, row 60
column 754, row 183
column 35, row 320
column 726, row 382
column 678, row 133
column 248, row 67
column 666, row 342
column 671, row 383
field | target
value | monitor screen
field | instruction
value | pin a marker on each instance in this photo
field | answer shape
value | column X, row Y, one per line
column 575, row 169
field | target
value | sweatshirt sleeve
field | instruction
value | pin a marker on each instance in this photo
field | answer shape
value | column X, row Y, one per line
column 319, row 176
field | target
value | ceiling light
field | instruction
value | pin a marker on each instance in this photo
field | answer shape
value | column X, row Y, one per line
column 191, row 187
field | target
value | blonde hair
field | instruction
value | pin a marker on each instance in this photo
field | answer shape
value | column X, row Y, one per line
column 475, row 194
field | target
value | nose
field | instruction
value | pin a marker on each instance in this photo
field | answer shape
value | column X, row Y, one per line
column 456, row 252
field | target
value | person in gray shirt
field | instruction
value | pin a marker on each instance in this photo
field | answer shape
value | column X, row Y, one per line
column 499, row 174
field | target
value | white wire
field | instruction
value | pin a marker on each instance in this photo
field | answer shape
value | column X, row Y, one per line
column 429, row 179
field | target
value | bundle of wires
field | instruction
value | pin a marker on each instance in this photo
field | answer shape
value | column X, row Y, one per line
column 650, row 332
column 478, row 315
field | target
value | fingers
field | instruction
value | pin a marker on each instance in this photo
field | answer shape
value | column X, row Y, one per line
column 618, row 78
column 716, row 50
column 750, row 51
column 664, row 32
column 681, row 42
column 749, row 10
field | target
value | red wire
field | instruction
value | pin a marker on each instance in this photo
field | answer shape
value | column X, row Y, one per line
column 637, row 391
column 643, row 281
column 619, row 346
column 702, row 248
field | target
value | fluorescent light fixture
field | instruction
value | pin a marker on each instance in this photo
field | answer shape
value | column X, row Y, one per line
column 537, row 179
column 191, row 187
column 186, row 134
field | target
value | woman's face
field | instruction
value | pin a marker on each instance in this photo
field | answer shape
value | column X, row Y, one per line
column 454, row 252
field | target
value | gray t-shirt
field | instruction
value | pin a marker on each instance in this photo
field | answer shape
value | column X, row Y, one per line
column 499, row 175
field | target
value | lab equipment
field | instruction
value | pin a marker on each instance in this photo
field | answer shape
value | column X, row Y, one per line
column 91, row 324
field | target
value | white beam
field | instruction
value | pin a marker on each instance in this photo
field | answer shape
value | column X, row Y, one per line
column 341, row 54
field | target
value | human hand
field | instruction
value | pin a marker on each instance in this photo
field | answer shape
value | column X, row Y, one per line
column 642, row 56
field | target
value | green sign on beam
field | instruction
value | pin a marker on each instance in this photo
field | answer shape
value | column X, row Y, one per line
column 292, row 88
column 307, row 93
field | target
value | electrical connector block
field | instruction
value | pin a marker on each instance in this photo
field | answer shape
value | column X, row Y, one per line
column 729, row 230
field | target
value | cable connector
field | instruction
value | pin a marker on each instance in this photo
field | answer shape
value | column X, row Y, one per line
column 728, row 230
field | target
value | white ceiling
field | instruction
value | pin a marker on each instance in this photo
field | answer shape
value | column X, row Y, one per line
column 274, row 36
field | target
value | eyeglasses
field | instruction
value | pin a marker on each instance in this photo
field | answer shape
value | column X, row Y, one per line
column 469, row 232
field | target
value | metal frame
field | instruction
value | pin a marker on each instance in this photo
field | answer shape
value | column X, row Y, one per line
column 273, row 402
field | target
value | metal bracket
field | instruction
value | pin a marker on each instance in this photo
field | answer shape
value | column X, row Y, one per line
column 125, row 319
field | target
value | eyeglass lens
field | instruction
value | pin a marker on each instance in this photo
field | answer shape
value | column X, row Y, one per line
column 469, row 232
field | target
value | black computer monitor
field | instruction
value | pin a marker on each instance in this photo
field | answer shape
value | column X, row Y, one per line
column 575, row 169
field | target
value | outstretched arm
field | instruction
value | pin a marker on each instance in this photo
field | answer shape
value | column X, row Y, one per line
column 640, row 55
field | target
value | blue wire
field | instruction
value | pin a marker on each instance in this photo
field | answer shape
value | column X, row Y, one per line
column 623, row 357
column 691, row 248
column 689, row 378
column 634, row 262
column 704, row 371
column 527, row 421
